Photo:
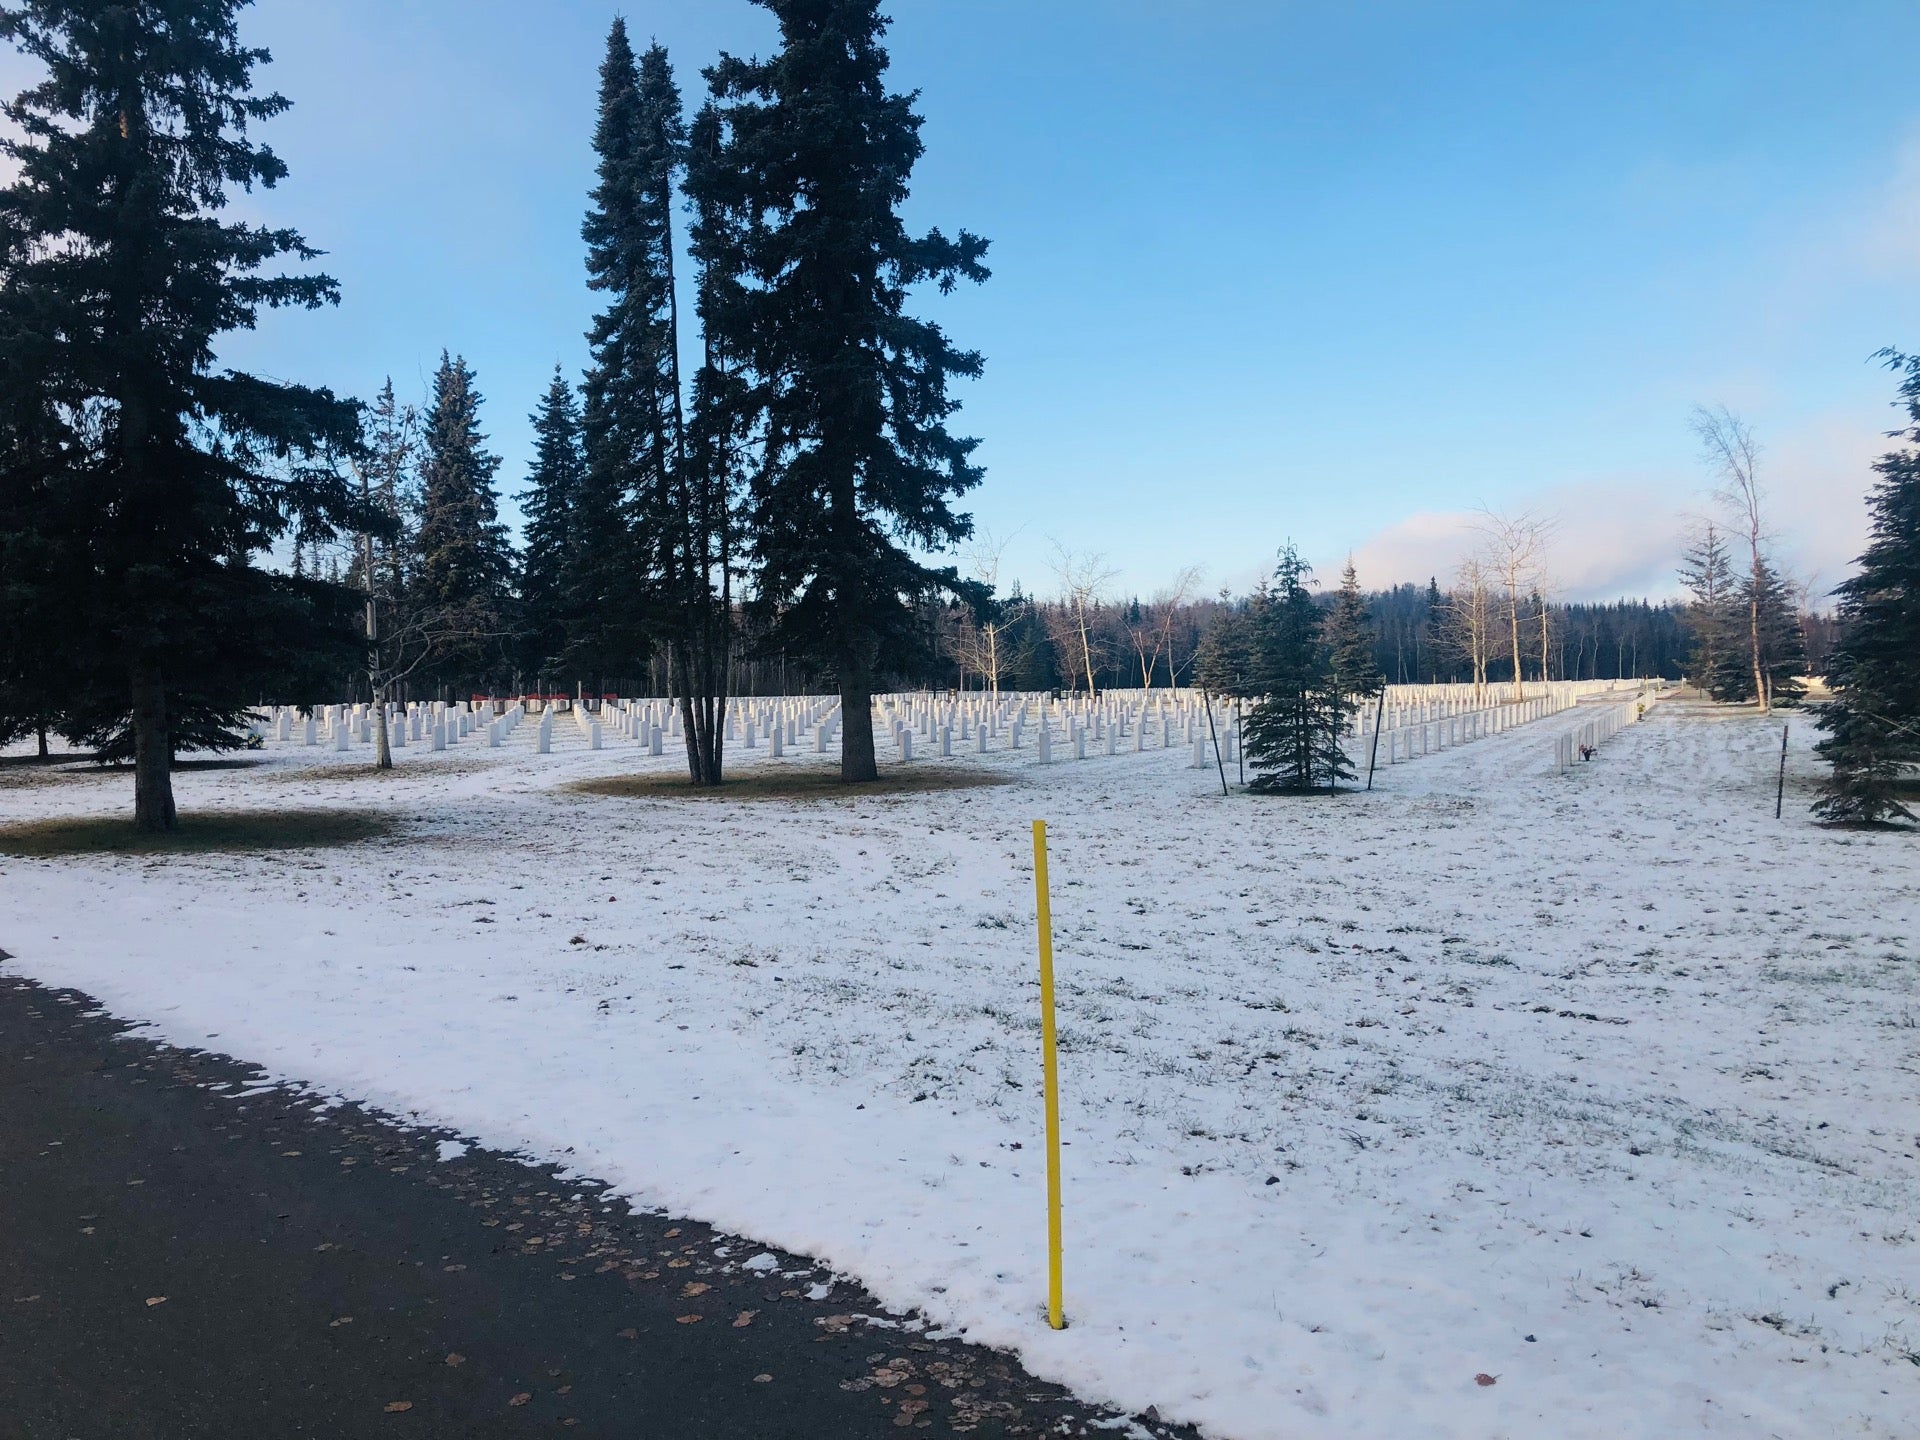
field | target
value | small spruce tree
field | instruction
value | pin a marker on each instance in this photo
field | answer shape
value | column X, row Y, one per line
column 1292, row 734
column 1352, row 654
column 464, row 566
column 548, row 502
column 1223, row 665
column 1707, row 575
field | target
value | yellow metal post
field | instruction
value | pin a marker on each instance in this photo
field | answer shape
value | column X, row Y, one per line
column 1050, row 1070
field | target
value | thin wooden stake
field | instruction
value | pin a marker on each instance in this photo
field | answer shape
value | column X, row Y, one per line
column 1207, row 700
column 1780, row 792
column 1373, row 750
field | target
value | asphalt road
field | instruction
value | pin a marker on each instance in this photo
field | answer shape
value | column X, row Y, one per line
column 188, row 1252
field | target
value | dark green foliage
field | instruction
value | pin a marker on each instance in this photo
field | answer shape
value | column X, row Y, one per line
column 39, row 566
column 1713, row 624
column 1873, row 720
column 632, row 422
column 1224, row 665
column 1434, row 653
column 125, row 265
column 1782, row 645
column 548, row 503
column 1292, row 733
column 1351, row 642
column 464, row 568
column 860, row 468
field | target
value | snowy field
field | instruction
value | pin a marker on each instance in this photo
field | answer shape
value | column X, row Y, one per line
column 1604, row 1085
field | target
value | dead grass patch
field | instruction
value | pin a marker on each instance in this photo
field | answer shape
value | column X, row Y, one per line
column 790, row 782
column 212, row 832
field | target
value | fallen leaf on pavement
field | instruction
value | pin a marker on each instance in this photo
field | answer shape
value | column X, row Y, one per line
column 1485, row 1379
column 456, row 1358
column 687, row 1319
column 744, row 1319
column 396, row 1407
column 522, row 1398
column 156, row 1299
column 694, row 1287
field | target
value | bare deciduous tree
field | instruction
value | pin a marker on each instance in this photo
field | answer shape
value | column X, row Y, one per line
column 1083, row 578
column 1152, row 636
column 1469, row 617
column 981, row 645
column 1513, row 550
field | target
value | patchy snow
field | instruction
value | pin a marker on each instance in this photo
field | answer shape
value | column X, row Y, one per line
column 450, row 1150
column 1602, row 1085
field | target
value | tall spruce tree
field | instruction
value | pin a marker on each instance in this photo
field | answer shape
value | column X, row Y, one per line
column 1292, row 734
column 553, row 485
column 860, row 468
column 127, row 155
column 1873, row 720
column 724, row 431
column 633, row 426
column 1352, row 654
column 464, row 568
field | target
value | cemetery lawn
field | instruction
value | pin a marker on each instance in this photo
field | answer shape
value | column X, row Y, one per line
column 1597, row 1087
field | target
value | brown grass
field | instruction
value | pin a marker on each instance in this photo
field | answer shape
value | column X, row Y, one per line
column 214, row 832
column 821, row 783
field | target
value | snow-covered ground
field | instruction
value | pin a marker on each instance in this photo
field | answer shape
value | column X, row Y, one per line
column 1603, row 1085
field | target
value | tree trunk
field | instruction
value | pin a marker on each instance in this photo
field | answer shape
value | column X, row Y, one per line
column 1513, row 628
column 152, row 751
column 41, row 728
column 1753, row 625
column 382, row 746
column 857, row 763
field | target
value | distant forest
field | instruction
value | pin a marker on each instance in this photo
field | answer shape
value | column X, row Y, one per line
column 1414, row 643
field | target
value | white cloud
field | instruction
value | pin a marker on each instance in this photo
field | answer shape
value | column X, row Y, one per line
column 1621, row 535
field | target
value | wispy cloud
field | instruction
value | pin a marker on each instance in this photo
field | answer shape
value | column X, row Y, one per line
column 1621, row 535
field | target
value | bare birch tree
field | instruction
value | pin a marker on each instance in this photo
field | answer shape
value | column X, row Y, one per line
column 1152, row 636
column 980, row 645
column 1731, row 452
column 1514, row 549
column 1084, row 577
column 1469, row 618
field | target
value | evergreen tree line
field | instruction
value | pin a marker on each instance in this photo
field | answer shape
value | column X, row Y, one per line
column 772, row 505
column 1416, row 641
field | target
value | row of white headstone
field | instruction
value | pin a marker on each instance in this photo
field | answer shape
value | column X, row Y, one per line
column 1602, row 723
column 339, row 727
column 1412, row 724
column 1406, row 706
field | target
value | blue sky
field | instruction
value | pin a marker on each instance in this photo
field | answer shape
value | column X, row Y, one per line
column 1334, row 272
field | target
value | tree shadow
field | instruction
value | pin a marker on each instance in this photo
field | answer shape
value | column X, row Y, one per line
column 209, row 832
column 797, row 781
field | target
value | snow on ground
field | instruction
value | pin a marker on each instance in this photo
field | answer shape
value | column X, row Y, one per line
column 1603, row 1084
